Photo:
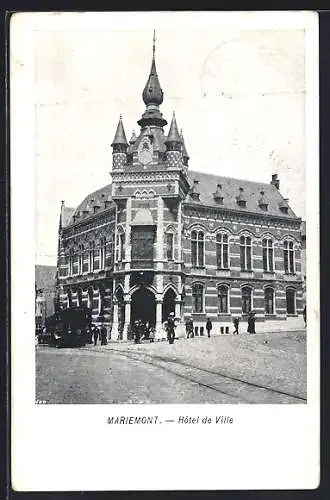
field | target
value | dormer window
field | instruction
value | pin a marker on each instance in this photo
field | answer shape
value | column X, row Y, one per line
column 218, row 197
column 194, row 193
column 262, row 201
column 240, row 199
column 284, row 206
column 96, row 208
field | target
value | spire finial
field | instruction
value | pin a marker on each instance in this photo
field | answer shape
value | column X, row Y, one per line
column 154, row 45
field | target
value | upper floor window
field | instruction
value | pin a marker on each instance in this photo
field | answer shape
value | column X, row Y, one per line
column 197, row 248
column 289, row 264
column 142, row 242
column 198, row 298
column 246, row 253
column 290, row 301
column 109, row 251
column 268, row 255
column 91, row 254
column 222, row 251
column 269, row 300
column 246, row 299
column 71, row 257
column 102, row 253
column 120, row 247
column 81, row 259
column 170, row 246
column 223, row 299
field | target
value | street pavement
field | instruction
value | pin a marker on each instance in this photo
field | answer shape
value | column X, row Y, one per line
column 227, row 369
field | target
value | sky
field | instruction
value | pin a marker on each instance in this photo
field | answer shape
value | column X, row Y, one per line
column 238, row 95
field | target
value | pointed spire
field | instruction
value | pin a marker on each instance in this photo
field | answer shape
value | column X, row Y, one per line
column 173, row 134
column 120, row 137
column 184, row 150
column 152, row 93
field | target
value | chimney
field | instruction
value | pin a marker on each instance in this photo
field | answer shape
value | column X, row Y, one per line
column 275, row 181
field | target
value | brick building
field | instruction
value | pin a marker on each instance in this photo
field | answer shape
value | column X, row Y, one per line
column 45, row 277
column 162, row 238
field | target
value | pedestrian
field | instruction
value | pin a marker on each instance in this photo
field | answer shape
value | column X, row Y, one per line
column 208, row 327
column 103, row 335
column 189, row 327
column 137, row 331
column 95, row 334
column 236, row 324
column 171, row 328
column 305, row 315
column 251, row 322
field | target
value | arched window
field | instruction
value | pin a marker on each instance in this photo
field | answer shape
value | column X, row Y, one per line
column 102, row 253
column 223, row 299
column 269, row 300
column 170, row 246
column 81, row 259
column 289, row 260
column 69, row 298
column 197, row 248
column 222, row 251
column 268, row 255
column 198, row 298
column 91, row 255
column 71, row 257
column 246, row 253
column 246, row 299
column 291, row 301
column 120, row 247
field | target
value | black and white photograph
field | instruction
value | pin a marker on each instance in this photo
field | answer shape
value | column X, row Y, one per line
column 168, row 188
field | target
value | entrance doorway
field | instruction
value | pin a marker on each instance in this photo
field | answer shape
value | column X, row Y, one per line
column 143, row 306
column 168, row 304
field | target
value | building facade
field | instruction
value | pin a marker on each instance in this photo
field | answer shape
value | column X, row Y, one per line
column 162, row 238
column 45, row 278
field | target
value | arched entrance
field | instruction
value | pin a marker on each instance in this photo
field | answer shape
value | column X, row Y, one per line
column 168, row 304
column 143, row 306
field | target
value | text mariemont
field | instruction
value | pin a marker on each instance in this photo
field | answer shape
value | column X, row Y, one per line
column 147, row 420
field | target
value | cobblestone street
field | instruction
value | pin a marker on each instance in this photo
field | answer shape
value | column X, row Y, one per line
column 260, row 368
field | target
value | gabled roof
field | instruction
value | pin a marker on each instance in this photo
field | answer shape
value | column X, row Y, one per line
column 99, row 197
column 207, row 186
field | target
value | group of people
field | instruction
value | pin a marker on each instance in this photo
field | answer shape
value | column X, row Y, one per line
column 142, row 330
column 98, row 333
column 208, row 326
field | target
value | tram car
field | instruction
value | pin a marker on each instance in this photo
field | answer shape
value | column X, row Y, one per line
column 69, row 327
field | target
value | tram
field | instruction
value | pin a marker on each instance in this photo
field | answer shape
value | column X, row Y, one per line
column 69, row 327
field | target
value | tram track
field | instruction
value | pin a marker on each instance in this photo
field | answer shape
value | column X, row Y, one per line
column 234, row 387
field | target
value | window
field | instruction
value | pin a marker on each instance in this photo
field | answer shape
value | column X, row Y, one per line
column 223, row 299
column 102, row 253
column 222, row 251
column 143, row 238
column 71, row 255
column 109, row 252
column 198, row 298
column 197, row 249
column 79, row 297
column 246, row 299
column 290, row 301
column 268, row 255
column 246, row 253
column 81, row 259
column 170, row 246
column 269, row 300
column 289, row 264
column 91, row 256
column 90, row 294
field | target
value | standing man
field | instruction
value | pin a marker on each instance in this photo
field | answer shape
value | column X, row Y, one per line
column 236, row 324
column 171, row 328
column 208, row 327
column 103, row 335
column 305, row 315
column 95, row 334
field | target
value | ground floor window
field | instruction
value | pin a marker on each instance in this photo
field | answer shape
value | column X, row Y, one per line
column 290, row 301
column 223, row 299
column 198, row 298
column 269, row 301
column 246, row 299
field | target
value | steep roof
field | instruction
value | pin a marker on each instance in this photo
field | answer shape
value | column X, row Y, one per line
column 207, row 185
column 67, row 213
column 96, row 198
column 45, row 277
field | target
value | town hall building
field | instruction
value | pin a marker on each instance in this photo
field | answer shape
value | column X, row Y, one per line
column 161, row 238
